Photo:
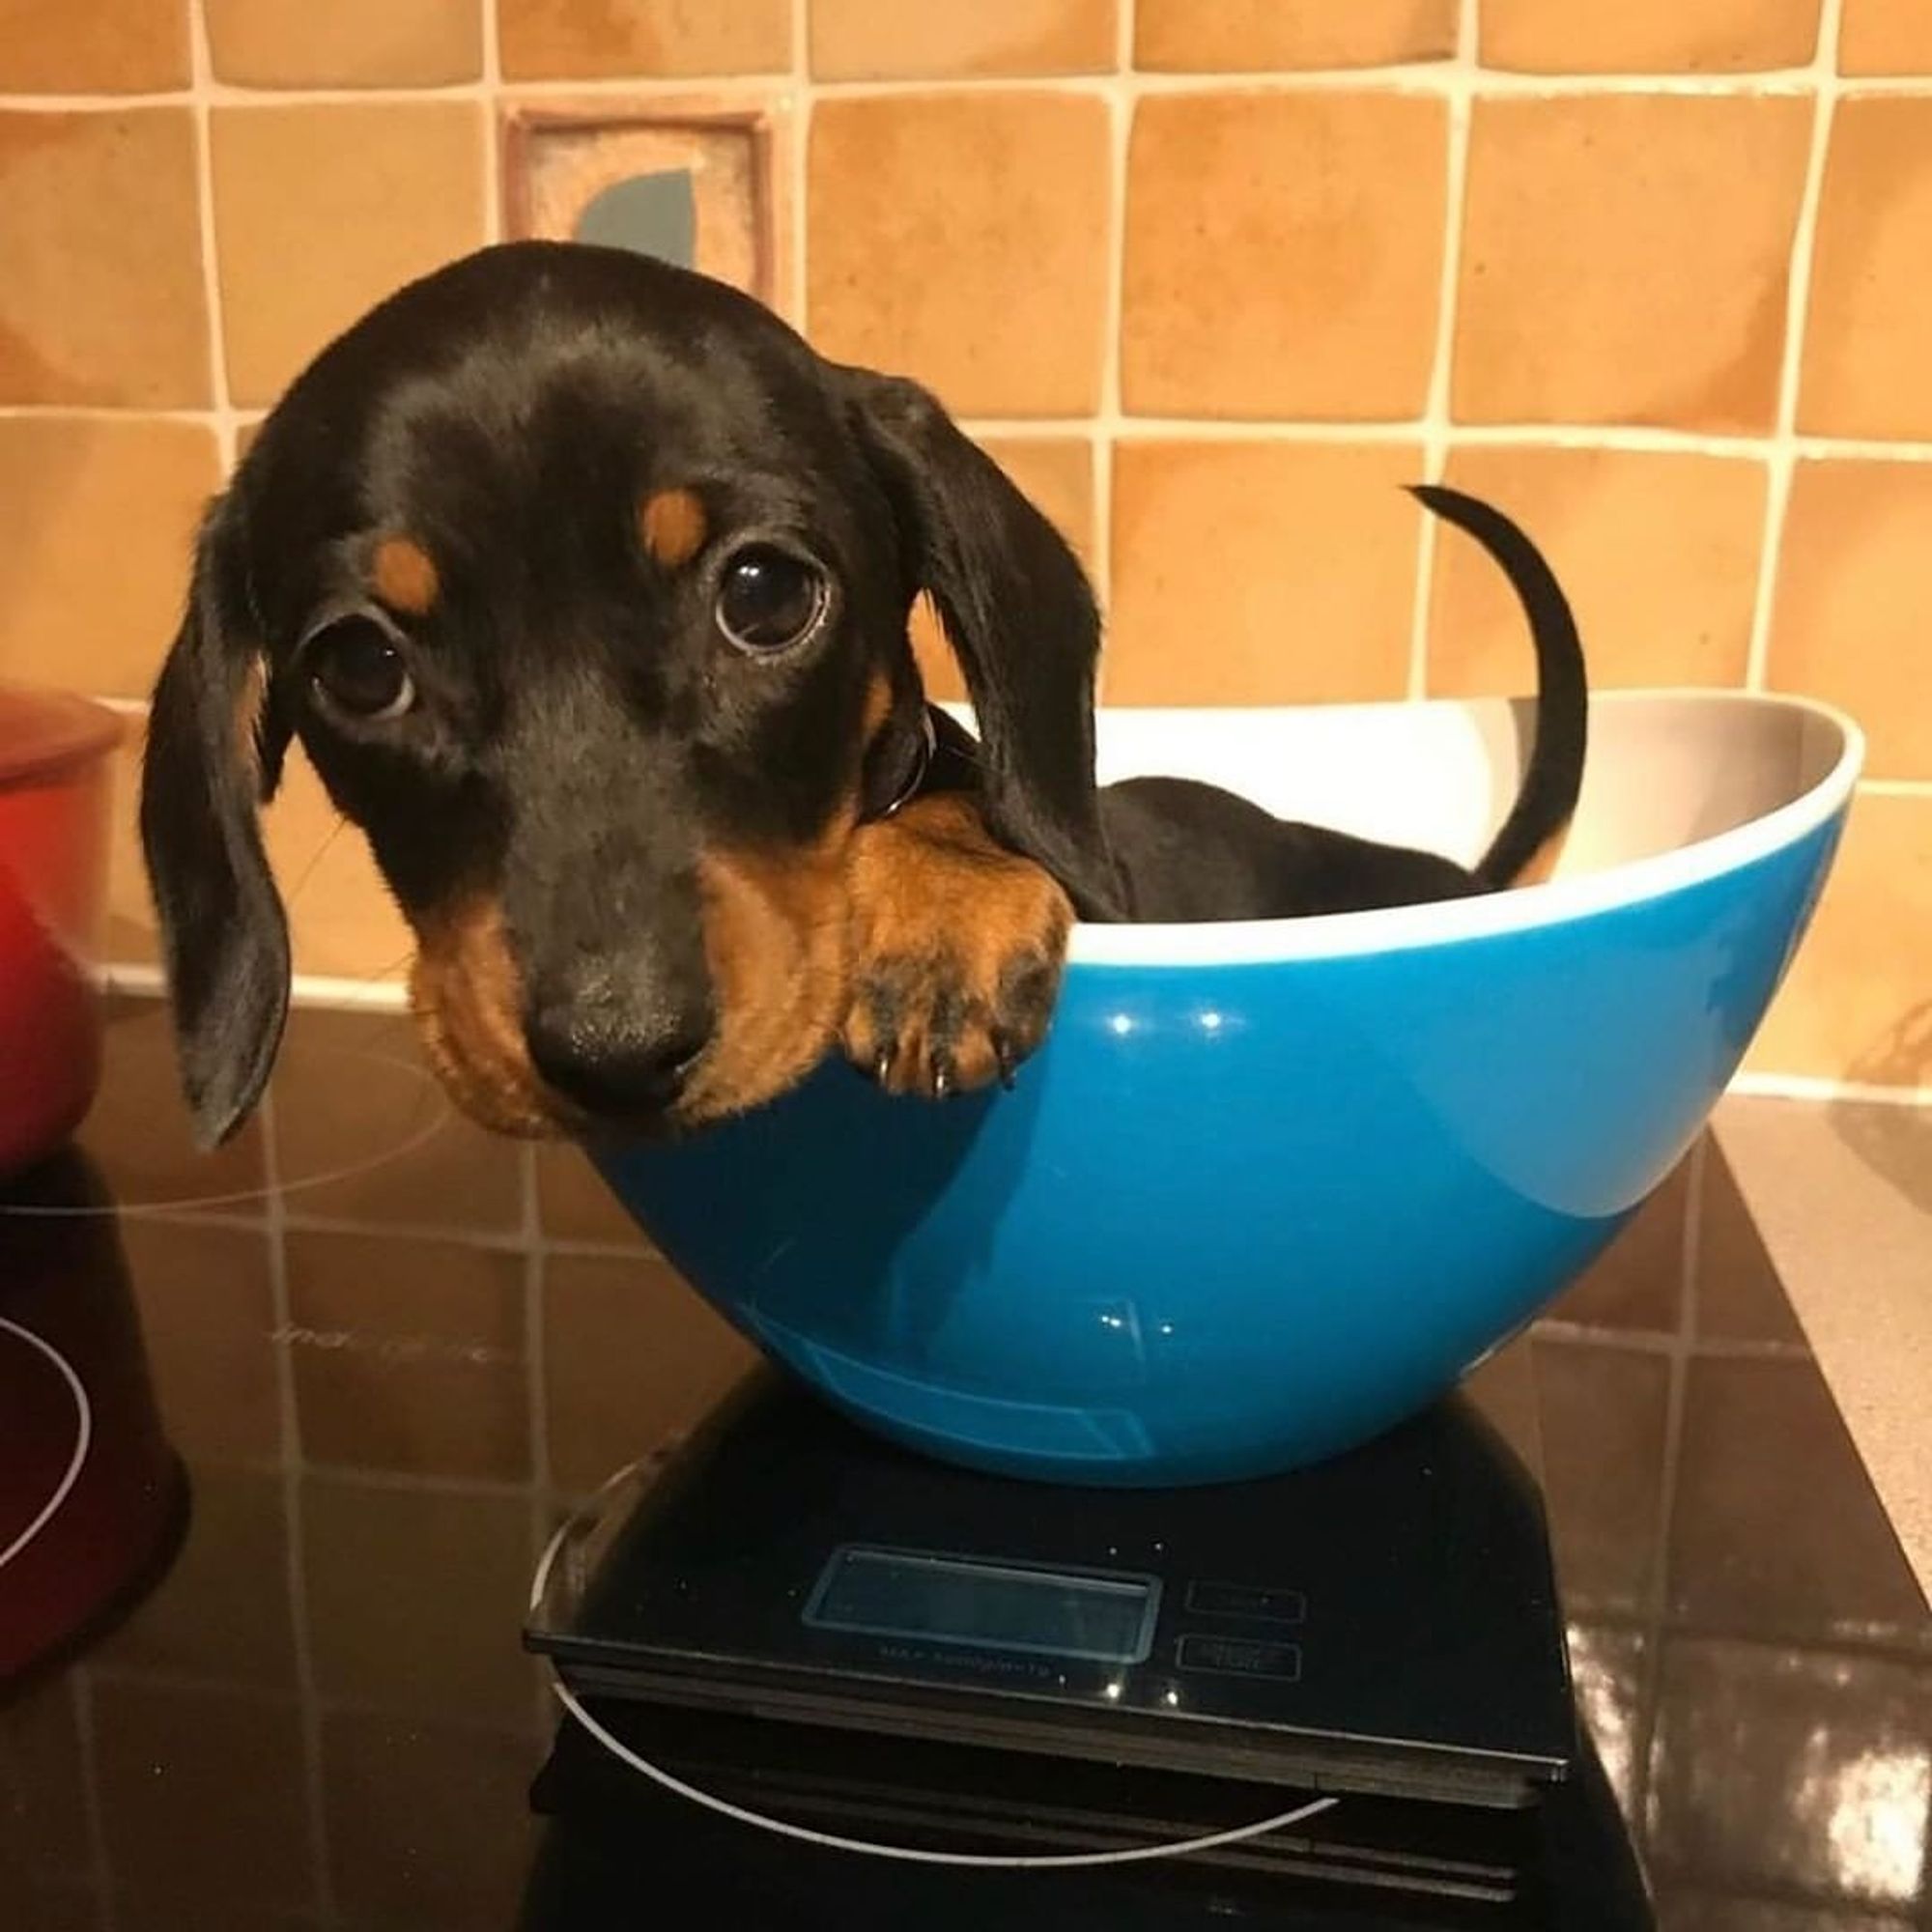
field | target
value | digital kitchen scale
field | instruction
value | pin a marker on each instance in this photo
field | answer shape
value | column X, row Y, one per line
column 804, row 1621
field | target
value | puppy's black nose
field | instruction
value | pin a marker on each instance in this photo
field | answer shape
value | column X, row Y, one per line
column 612, row 1067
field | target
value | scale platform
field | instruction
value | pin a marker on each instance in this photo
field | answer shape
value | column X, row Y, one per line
column 810, row 1623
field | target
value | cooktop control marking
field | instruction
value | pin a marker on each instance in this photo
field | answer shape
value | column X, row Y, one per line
column 1247, row 1600
column 1240, row 1657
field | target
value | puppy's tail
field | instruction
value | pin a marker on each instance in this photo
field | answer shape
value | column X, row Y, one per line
column 1532, row 835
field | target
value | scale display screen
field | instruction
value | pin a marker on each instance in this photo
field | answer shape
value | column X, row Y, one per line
column 925, row 1599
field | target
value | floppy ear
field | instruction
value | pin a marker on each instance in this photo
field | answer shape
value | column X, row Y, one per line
column 1020, row 615
column 213, row 754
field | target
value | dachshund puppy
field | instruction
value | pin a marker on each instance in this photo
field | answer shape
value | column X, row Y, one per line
column 584, row 585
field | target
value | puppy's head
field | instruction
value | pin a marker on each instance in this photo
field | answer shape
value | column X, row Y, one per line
column 585, row 583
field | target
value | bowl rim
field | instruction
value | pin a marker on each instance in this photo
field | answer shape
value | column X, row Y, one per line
column 1554, row 901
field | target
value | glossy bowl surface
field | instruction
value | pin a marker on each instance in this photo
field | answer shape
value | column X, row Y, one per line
column 1270, row 1188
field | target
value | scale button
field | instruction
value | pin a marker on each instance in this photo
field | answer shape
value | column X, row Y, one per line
column 1244, row 1600
column 1240, row 1657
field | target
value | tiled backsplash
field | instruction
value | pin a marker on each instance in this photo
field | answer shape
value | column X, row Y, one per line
column 1210, row 276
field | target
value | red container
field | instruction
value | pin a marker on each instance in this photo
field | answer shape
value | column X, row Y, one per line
column 92, row 1501
column 56, row 785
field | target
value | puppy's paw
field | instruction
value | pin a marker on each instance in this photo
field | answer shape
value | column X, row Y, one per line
column 957, row 950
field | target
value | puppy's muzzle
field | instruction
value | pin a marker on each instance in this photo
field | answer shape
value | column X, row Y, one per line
column 618, row 1060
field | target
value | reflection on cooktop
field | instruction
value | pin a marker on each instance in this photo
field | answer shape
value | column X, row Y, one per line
column 387, row 1374
column 355, row 1097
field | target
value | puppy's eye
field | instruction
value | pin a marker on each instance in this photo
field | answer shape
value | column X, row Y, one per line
column 769, row 598
column 359, row 673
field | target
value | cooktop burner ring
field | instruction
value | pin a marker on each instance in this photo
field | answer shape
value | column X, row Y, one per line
column 430, row 1113
column 83, row 1435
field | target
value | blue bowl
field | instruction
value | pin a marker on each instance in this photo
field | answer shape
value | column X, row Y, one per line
column 1271, row 1187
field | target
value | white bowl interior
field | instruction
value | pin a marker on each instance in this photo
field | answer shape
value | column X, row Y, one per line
column 1665, row 769
column 1678, row 786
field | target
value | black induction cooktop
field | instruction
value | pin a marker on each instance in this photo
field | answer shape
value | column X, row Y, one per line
column 390, row 1353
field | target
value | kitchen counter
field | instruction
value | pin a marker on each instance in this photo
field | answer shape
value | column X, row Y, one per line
column 388, row 1350
column 1841, row 1194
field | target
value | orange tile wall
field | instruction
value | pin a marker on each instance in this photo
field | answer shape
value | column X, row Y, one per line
column 1209, row 275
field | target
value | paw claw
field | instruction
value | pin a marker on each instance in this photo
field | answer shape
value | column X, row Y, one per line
column 956, row 945
column 1005, row 1059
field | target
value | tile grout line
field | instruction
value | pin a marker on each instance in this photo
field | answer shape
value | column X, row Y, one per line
column 514, row 1240
column 1658, row 1598
column 458, row 1235
column 1561, row 1333
column 1850, row 1646
column 80, row 1698
column 105, row 412
column 225, row 421
column 1783, row 453
column 274, row 1228
column 798, row 138
column 1415, row 77
column 361, row 1705
column 1690, row 1316
column 1636, row 438
column 143, row 978
column 1815, row 1087
column 535, row 1370
column 1106, row 420
column 201, row 62
column 417, row 1482
column 492, row 51
column 1435, row 418
column 350, row 1704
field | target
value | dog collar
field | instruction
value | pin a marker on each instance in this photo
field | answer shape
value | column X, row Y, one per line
column 908, row 785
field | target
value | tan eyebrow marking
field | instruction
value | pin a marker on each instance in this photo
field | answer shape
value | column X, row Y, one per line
column 403, row 575
column 672, row 523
